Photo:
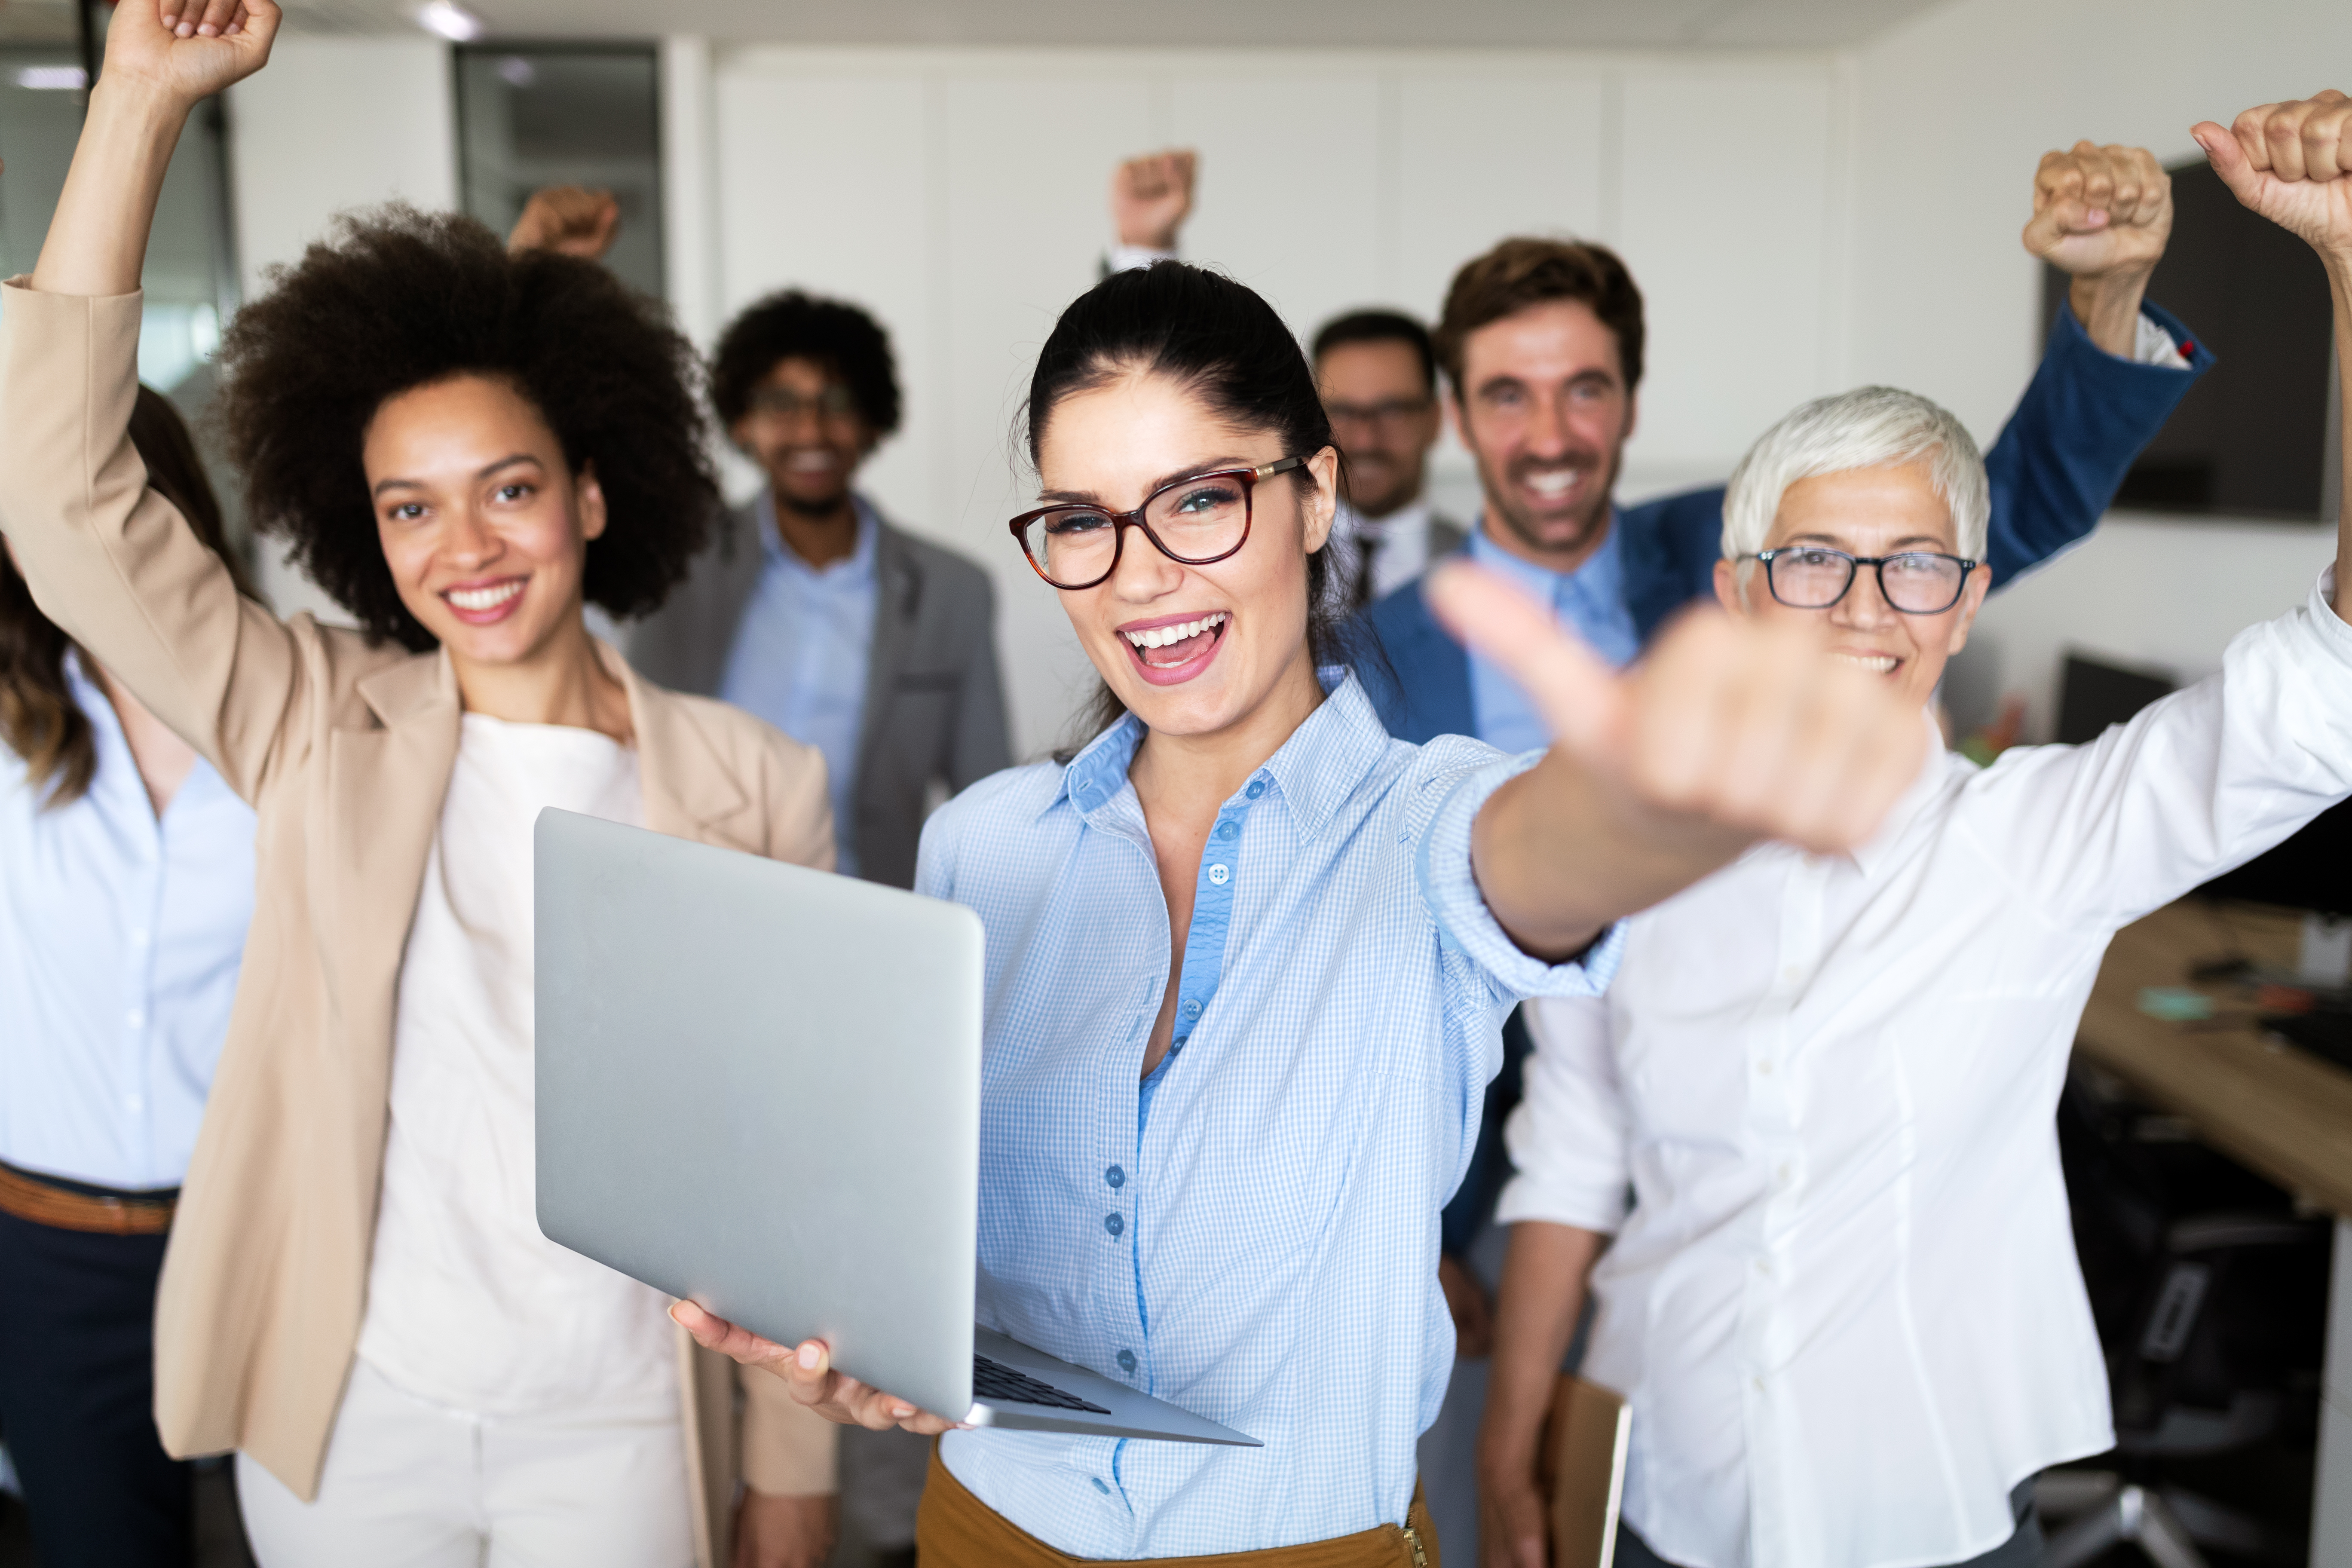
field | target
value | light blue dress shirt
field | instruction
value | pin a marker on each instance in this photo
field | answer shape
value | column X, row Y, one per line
column 119, row 941
column 1253, row 1233
column 801, row 656
column 1591, row 600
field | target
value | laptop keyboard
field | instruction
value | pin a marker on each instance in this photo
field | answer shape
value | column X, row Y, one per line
column 995, row 1379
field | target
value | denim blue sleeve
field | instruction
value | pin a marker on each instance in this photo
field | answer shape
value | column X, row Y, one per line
column 2083, row 418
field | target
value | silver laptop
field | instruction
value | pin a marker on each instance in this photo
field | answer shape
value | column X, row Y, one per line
column 759, row 1088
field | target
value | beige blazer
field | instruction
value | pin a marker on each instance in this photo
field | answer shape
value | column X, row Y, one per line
column 344, row 750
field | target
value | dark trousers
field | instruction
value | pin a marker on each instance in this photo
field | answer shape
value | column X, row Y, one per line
column 2022, row 1550
column 78, row 1395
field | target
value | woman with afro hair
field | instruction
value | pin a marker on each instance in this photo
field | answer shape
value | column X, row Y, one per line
column 463, row 448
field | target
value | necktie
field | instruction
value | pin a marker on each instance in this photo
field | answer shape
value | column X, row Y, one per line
column 1367, row 545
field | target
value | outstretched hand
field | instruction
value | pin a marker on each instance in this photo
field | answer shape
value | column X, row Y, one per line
column 808, row 1370
column 184, row 50
column 1152, row 196
column 2292, row 163
column 1729, row 731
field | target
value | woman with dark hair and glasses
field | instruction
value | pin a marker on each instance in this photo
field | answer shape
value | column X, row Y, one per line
column 1248, row 957
column 126, row 884
column 464, row 448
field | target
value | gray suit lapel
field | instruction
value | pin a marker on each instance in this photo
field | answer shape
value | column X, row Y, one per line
column 735, row 573
column 898, row 595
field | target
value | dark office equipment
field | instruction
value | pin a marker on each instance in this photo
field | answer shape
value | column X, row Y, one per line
column 2251, row 438
column 2311, row 871
column 2211, row 1297
column 2093, row 694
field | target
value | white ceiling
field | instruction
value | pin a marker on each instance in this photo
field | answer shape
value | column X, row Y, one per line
column 1565, row 24
column 1472, row 23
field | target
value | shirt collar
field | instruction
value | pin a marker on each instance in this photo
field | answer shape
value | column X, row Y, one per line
column 1316, row 770
column 1354, row 524
column 1873, row 855
column 1602, row 573
column 858, row 568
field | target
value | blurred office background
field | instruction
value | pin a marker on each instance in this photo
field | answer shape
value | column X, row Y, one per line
column 1811, row 193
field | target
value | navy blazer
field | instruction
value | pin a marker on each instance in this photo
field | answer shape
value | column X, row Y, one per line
column 2083, row 418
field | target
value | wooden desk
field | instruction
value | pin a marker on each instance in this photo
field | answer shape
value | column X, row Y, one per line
column 2280, row 1111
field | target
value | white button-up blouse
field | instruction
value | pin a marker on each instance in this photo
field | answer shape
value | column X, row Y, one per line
column 1844, row 1302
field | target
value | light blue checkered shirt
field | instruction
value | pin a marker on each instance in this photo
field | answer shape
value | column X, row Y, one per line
column 1588, row 601
column 1262, row 1250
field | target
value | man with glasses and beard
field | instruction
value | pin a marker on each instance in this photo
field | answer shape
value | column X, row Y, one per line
column 1542, row 344
column 813, row 612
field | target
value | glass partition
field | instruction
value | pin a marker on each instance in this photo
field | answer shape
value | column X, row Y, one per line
column 530, row 115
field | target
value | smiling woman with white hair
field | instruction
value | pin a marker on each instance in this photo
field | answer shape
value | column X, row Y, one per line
column 1843, row 1301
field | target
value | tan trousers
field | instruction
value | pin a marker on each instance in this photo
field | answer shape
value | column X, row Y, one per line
column 956, row 1529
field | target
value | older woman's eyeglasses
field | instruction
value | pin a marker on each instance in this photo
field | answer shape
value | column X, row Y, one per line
column 1814, row 577
column 1194, row 521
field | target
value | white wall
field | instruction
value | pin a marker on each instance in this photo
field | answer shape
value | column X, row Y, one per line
column 1952, row 111
column 960, row 195
column 333, row 123
column 1798, row 222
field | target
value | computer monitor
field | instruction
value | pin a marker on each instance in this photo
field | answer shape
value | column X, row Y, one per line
column 2093, row 694
column 2311, row 871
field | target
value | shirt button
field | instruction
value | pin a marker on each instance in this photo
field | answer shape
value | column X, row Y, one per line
column 1191, row 1009
column 1127, row 1361
column 1113, row 1223
column 1114, row 1176
column 1764, row 1068
column 1258, row 789
column 1764, row 1266
column 1784, row 1174
column 136, row 1017
column 139, row 936
column 1793, row 974
column 1219, row 876
column 1100, row 1487
column 1759, row 1383
column 1226, row 830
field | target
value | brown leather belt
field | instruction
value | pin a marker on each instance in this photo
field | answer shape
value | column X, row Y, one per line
column 954, row 1528
column 29, row 1197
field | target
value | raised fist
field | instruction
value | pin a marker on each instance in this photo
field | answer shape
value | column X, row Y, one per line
column 1152, row 196
column 568, row 220
column 2292, row 163
column 2100, row 210
column 179, row 51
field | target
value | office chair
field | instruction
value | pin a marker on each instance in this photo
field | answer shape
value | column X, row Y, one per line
column 2214, row 1323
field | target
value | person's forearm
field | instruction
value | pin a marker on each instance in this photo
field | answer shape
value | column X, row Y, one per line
column 1536, row 1312
column 2339, row 285
column 98, row 235
column 1558, row 857
column 2108, row 308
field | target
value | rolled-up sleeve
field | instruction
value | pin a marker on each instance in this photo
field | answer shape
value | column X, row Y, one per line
column 1569, row 1148
column 1463, row 775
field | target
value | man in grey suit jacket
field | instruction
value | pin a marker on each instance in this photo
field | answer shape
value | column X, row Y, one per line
column 815, row 613
column 1379, row 378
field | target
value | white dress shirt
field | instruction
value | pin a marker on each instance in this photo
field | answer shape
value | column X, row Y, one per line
column 1845, row 1305
column 468, row 1306
column 121, row 935
column 1400, row 552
